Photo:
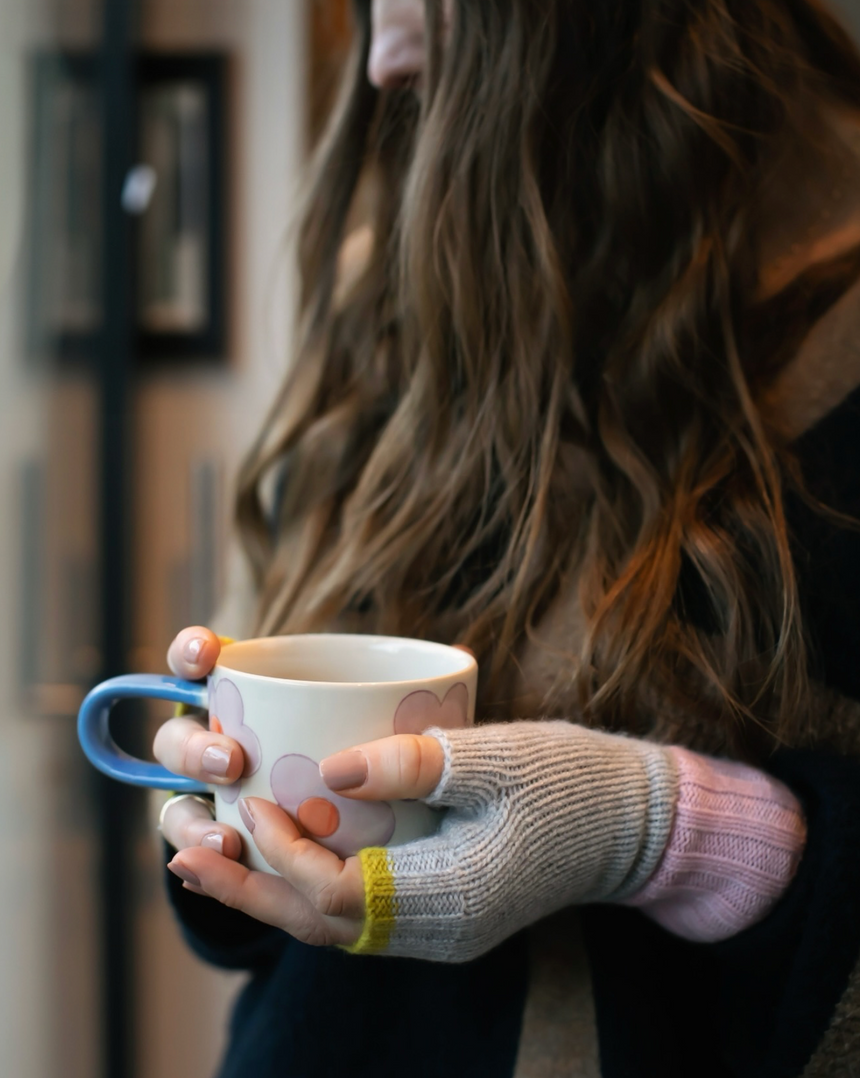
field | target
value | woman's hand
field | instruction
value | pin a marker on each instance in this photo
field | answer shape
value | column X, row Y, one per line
column 316, row 897
column 186, row 747
column 541, row 815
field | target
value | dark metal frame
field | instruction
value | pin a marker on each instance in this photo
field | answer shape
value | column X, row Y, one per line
column 115, row 362
column 212, row 70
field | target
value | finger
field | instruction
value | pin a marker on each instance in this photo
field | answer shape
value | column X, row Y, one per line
column 262, row 895
column 333, row 887
column 187, row 823
column 466, row 648
column 402, row 766
column 186, row 747
column 193, row 652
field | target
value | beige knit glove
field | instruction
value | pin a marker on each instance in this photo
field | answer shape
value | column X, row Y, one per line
column 541, row 815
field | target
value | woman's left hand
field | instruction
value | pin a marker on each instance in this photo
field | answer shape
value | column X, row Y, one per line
column 316, row 897
column 540, row 815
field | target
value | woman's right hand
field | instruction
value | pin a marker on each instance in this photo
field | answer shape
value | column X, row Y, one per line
column 187, row 747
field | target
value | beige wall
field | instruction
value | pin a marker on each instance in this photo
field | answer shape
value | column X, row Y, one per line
column 48, row 958
column 49, row 1023
column 194, row 419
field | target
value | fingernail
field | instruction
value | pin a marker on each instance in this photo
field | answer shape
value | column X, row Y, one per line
column 213, row 841
column 344, row 771
column 184, row 874
column 191, row 649
column 216, row 760
column 247, row 816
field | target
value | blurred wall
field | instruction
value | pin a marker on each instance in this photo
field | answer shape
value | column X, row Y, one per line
column 48, row 939
column 192, row 424
column 190, row 427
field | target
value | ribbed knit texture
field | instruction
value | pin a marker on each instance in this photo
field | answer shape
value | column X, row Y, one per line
column 381, row 897
column 541, row 815
column 735, row 845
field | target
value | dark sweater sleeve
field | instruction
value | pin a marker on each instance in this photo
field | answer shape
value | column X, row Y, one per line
column 757, row 1005
column 222, row 936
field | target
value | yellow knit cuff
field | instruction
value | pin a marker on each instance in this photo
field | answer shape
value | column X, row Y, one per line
column 183, row 709
column 380, row 902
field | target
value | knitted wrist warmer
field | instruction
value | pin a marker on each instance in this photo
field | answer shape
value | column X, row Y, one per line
column 540, row 815
column 735, row 845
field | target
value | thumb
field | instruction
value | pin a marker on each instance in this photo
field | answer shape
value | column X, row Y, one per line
column 392, row 768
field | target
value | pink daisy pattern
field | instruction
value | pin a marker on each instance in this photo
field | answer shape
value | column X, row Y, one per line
column 298, row 788
column 227, row 716
column 423, row 708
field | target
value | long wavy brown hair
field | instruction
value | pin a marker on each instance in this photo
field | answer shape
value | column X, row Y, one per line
column 547, row 369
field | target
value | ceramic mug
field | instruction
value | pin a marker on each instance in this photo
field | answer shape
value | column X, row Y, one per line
column 290, row 701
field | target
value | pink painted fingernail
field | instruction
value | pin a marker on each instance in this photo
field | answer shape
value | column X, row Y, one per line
column 184, row 874
column 191, row 649
column 213, row 841
column 216, row 761
column 247, row 816
column 344, row 771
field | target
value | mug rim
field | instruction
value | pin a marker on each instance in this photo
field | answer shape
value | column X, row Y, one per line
column 470, row 662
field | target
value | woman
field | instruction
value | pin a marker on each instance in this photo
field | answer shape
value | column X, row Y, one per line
column 576, row 404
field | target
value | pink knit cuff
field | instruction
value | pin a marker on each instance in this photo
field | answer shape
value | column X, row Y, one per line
column 735, row 845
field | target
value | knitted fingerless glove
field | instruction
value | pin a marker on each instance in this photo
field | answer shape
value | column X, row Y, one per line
column 541, row 815
column 735, row 846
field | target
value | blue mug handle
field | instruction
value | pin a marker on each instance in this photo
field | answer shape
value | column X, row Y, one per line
column 103, row 751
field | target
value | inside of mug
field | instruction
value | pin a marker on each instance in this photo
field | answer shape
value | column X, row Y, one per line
column 347, row 659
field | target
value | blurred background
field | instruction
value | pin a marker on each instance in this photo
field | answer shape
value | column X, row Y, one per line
column 150, row 152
